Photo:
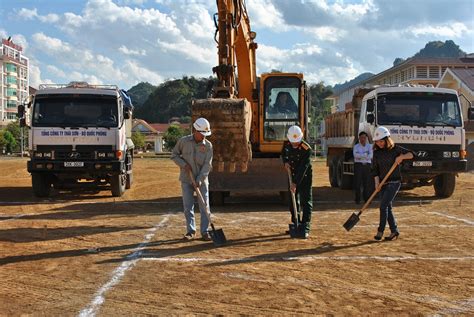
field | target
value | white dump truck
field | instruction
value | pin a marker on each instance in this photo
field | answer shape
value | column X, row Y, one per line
column 426, row 120
column 79, row 135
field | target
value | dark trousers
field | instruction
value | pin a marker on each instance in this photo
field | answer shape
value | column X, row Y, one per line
column 304, row 201
column 362, row 181
column 387, row 194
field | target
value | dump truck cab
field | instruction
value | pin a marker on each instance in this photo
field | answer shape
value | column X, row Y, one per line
column 80, row 132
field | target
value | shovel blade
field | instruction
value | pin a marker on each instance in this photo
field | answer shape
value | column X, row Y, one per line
column 351, row 222
column 296, row 231
column 218, row 237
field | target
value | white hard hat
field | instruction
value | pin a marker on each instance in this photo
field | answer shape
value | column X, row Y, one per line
column 203, row 126
column 380, row 133
column 294, row 134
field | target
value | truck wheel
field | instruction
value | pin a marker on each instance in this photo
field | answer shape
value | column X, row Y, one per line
column 444, row 185
column 129, row 182
column 41, row 184
column 118, row 183
column 216, row 198
column 333, row 172
column 343, row 181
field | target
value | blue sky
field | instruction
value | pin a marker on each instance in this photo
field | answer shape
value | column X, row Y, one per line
column 125, row 42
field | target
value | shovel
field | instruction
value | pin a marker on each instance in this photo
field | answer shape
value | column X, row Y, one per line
column 355, row 217
column 217, row 235
column 296, row 230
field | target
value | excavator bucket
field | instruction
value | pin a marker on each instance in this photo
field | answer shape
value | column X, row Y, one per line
column 230, row 121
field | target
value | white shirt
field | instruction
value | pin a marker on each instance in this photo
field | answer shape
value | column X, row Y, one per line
column 363, row 154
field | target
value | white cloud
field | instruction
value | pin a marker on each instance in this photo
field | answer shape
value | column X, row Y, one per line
column 450, row 30
column 141, row 73
column 128, row 51
column 28, row 14
column 56, row 71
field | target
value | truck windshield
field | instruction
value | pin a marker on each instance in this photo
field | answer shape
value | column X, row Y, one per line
column 281, row 109
column 418, row 109
column 75, row 111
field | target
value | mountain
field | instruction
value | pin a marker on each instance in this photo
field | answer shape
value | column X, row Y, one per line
column 358, row 79
column 436, row 49
column 173, row 99
column 140, row 93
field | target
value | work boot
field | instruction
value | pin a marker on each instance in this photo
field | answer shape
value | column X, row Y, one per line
column 189, row 236
column 206, row 237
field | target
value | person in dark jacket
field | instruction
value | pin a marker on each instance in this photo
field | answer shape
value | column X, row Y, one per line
column 386, row 153
column 296, row 156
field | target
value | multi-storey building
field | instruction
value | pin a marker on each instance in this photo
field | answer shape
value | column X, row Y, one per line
column 14, row 79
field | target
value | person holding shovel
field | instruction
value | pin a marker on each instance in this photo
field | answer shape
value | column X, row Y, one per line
column 193, row 154
column 386, row 154
column 296, row 156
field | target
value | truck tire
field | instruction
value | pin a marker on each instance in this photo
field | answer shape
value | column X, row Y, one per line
column 343, row 181
column 129, row 182
column 333, row 172
column 41, row 184
column 216, row 198
column 444, row 185
column 118, row 184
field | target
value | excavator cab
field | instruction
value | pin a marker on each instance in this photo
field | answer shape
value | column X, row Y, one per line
column 282, row 104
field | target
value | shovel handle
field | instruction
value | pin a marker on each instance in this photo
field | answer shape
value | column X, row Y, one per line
column 367, row 203
column 293, row 198
column 198, row 192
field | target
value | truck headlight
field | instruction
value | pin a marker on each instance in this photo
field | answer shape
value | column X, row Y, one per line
column 446, row 154
column 456, row 154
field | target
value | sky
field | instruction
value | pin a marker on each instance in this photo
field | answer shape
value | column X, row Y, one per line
column 125, row 42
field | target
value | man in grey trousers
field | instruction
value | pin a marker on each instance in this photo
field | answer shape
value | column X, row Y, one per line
column 194, row 153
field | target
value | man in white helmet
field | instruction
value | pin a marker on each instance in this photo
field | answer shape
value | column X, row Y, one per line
column 194, row 153
column 296, row 156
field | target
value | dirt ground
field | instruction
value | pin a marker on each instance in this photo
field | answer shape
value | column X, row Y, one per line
column 86, row 253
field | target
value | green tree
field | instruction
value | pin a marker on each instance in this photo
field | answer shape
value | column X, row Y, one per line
column 319, row 107
column 3, row 142
column 140, row 93
column 138, row 139
column 172, row 135
column 11, row 143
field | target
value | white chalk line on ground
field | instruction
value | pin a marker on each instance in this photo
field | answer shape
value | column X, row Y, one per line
column 312, row 258
column 469, row 222
column 119, row 273
column 463, row 306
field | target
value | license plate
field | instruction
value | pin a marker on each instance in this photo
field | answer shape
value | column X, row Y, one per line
column 422, row 163
column 73, row 164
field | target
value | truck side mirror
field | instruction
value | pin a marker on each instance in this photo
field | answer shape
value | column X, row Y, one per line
column 21, row 111
column 370, row 118
column 470, row 113
column 370, row 105
column 127, row 113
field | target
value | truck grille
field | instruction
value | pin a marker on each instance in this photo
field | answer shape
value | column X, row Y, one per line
column 82, row 152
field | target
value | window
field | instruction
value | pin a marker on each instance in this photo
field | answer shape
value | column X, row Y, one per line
column 421, row 72
column 11, row 68
column 11, row 104
column 11, row 116
column 11, row 92
column 419, row 109
column 434, row 72
column 11, row 80
column 77, row 111
column 282, row 97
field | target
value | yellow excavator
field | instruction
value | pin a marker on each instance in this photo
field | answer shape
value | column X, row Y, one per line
column 249, row 116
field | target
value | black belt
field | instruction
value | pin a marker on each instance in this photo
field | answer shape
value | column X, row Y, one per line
column 363, row 163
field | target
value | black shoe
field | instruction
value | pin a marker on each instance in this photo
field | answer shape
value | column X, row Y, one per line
column 392, row 236
column 378, row 236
